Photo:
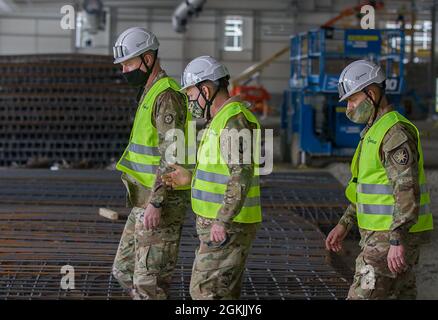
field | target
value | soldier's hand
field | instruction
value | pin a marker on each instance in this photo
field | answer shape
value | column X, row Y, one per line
column 217, row 233
column 396, row 259
column 177, row 178
column 152, row 217
column 335, row 238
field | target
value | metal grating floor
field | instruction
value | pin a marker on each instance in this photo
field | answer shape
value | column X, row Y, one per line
column 49, row 219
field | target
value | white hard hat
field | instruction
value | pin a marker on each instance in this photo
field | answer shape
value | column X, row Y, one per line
column 357, row 76
column 132, row 43
column 201, row 69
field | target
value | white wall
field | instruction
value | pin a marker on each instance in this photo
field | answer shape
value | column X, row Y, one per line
column 37, row 30
column 28, row 35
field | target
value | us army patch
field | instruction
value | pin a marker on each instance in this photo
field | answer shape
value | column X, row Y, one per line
column 168, row 118
column 401, row 156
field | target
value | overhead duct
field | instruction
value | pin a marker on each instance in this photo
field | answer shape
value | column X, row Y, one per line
column 7, row 6
column 92, row 29
column 184, row 11
column 94, row 15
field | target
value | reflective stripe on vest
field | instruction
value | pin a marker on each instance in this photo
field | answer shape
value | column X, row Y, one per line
column 210, row 178
column 219, row 198
column 139, row 167
column 220, row 178
column 138, row 148
column 382, row 189
column 141, row 158
column 370, row 187
column 385, row 209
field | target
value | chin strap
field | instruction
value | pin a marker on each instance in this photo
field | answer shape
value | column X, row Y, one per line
column 376, row 105
column 148, row 74
column 208, row 103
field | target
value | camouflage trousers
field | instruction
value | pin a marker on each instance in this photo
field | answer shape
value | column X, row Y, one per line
column 145, row 259
column 218, row 271
column 373, row 279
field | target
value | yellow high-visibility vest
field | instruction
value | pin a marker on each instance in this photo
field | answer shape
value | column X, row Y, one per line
column 141, row 157
column 209, row 181
column 370, row 188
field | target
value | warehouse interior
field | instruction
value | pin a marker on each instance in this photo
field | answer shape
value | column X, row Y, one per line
column 66, row 115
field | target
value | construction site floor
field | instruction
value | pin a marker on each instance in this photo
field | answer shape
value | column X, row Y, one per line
column 49, row 219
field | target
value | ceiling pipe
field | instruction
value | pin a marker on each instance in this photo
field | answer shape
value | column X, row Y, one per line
column 7, row 6
column 184, row 12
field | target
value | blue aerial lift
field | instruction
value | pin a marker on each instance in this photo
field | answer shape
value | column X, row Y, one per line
column 313, row 121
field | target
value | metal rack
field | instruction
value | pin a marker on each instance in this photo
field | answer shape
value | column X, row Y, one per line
column 75, row 108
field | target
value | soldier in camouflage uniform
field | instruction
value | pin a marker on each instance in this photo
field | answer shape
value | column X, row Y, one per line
column 224, row 243
column 148, row 249
column 217, row 272
column 385, row 268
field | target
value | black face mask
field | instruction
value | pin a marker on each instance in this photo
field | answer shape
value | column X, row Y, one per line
column 138, row 78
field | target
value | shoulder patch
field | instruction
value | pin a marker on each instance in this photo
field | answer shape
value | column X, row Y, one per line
column 401, row 156
column 394, row 139
column 239, row 122
column 168, row 118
